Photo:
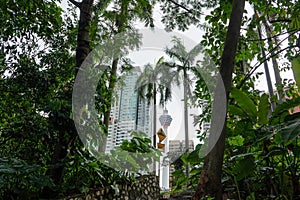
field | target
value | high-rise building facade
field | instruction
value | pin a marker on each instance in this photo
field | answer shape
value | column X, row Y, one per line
column 128, row 113
column 179, row 146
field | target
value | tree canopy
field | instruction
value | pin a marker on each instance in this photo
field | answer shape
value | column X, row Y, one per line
column 43, row 47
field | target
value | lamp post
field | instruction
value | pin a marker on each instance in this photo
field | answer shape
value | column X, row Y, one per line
column 165, row 121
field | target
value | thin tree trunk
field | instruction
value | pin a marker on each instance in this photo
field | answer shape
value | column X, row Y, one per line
column 278, row 79
column 112, row 83
column 120, row 24
column 154, row 114
column 210, row 178
column 267, row 72
column 186, row 120
column 154, row 126
column 137, row 112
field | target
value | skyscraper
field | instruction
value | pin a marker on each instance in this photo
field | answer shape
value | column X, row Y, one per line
column 128, row 113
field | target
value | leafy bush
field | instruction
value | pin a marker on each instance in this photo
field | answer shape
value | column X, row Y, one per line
column 20, row 180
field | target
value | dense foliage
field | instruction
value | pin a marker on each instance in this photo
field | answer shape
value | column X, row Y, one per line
column 41, row 155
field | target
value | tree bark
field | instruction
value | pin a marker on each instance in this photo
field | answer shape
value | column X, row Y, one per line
column 154, row 115
column 278, row 79
column 186, row 122
column 82, row 50
column 267, row 72
column 210, row 178
column 113, row 75
column 83, row 36
column 112, row 83
column 154, row 127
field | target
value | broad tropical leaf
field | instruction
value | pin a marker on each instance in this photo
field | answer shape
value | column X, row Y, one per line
column 290, row 131
column 244, row 102
column 263, row 110
column 235, row 110
column 285, row 107
column 244, row 167
column 296, row 70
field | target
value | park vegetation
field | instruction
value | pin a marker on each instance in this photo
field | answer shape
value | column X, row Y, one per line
column 43, row 46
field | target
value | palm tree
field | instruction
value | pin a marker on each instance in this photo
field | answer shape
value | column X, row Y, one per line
column 153, row 80
column 183, row 63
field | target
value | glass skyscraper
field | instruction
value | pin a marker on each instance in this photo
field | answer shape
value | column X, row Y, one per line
column 128, row 113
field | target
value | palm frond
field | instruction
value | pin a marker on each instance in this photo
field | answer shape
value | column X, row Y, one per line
column 173, row 53
column 193, row 53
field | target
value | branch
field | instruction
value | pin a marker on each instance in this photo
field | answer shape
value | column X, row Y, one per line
column 257, row 65
column 261, row 62
column 275, row 20
column 279, row 20
column 182, row 6
column 274, row 36
column 75, row 3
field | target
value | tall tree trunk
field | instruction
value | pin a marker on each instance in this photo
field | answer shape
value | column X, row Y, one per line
column 120, row 24
column 83, row 36
column 154, row 126
column 82, row 50
column 137, row 112
column 112, row 83
column 210, row 178
column 154, row 114
column 267, row 72
column 279, row 85
column 186, row 122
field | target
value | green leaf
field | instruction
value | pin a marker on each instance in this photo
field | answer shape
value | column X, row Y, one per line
column 234, row 110
column 195, row 171
column 263, row 108
column 236, row 141
column 244, row 102
column 242, row 155
column 178, row 173
column 182, row 180
column 94, row 165
column 296, row 70
column 193, row 157
column 7, row 170
column 276, row 151
column 251, row 196
column 290, row 131
column 244, row 167
column 184, row 158
column 285, row 106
